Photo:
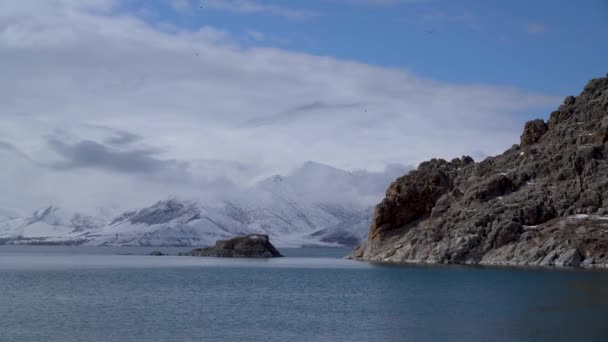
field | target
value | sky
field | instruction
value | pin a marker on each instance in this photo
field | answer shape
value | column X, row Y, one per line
column 126, row 101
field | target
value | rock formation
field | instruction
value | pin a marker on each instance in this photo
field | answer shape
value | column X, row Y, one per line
column 542, row 202
column 249, row 246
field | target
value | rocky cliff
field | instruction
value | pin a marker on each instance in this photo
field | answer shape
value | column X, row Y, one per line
column 543, row 202
column 249, row 246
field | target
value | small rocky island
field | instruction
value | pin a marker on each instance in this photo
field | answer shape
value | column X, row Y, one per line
column 249, row 246
column 541, row 203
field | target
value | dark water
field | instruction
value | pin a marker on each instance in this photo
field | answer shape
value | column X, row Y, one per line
column 100, row 294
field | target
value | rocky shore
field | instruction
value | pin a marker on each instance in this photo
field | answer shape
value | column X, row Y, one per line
column 249, row 246
column 541, row 203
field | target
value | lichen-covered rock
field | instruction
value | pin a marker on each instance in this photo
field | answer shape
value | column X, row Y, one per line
column 249, row 246
column 540, row 203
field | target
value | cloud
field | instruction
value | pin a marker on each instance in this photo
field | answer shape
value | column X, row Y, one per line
column 8, row 147
column 267, row 39
column 373, row 183
column 181, row 97
column 302, row 111
column 112, row 136
column 94, row 155
column 536, row 28
column 256, row 35
column 90, row 154
column 319, row 182
column 121, row 138
column 88, row 176
column 258, row 7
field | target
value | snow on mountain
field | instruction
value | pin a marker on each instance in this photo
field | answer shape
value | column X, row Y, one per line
column 166, row 223
column 316, row 204
column 175, row 222
column 280, row 205
column 50, row 224
column 350, row 232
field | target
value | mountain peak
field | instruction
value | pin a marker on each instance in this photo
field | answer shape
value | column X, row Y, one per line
column 312, row 165
column 43, row 213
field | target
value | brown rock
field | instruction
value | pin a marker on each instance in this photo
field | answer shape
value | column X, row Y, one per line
column 412, row 197
column 249, row 246
column 533, row 131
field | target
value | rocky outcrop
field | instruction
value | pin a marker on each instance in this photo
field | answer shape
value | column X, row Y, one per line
column 543, row 202
column 249, row 246
column 533, row 131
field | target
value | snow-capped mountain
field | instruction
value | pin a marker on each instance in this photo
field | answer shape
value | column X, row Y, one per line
column 170, row 222
column 314, row 205
column 176, row 222
column 50, row 225
column 349, row 232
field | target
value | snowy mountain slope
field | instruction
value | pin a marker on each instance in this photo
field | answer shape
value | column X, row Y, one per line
column 281, row 208
column 170, row 222
column 175, row 222
column 350, row 232
column 314, row 205
column 166, row 223
column 50, row 224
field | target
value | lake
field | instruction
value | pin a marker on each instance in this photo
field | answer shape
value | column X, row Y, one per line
column 53, row 293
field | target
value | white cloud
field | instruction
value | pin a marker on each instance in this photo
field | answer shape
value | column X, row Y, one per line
column 190, row 97
column 256, row 35
column 258, row 7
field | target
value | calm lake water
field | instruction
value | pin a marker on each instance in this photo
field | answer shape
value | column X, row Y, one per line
column 121, row 294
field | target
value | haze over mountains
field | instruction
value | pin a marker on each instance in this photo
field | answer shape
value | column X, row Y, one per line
column 315, row 204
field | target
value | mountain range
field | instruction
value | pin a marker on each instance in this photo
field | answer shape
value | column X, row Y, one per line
column 315, row 205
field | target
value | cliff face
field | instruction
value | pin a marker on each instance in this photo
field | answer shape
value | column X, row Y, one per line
column 542, row 202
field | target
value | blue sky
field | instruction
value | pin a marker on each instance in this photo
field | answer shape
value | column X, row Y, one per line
column 549, row 46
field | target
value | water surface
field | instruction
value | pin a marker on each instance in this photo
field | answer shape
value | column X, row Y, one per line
column 120, row 294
